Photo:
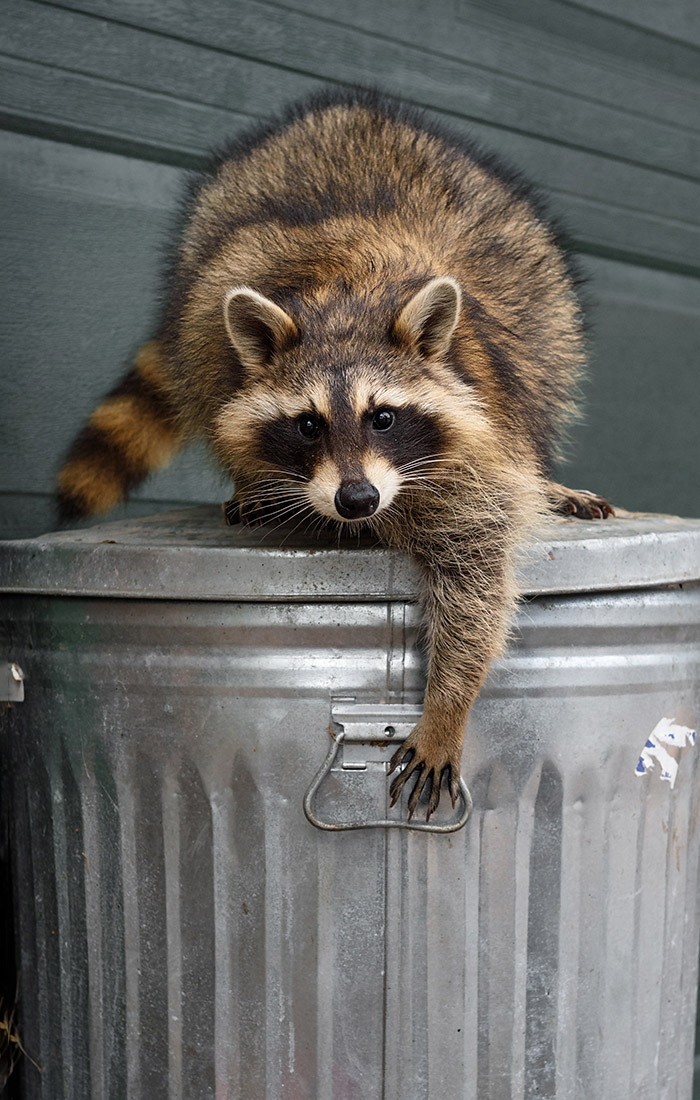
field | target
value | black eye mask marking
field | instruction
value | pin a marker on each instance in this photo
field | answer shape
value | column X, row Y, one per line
column 282, row 442
column 410, row 436
column 300, row 443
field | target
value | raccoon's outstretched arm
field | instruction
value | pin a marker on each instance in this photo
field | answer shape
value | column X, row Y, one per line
column 470, row 598
column 133, row 432
column 467, row 540
column 467, row 613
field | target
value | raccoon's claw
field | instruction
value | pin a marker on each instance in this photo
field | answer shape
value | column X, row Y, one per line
column 432, row 788
column 232, row 512
column 254, row 514
column 401, row 756
column 429, row 781
column 250, row 513
column 578, row 502
column 450, row 777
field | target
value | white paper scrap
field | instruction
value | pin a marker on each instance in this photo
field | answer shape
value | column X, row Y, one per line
column 666, row 732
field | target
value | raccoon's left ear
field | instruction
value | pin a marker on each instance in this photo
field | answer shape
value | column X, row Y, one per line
column 430, row 318
column 257, row 327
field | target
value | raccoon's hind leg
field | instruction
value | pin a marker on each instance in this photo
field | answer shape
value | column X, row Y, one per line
column 578, row 502
column 133, row 432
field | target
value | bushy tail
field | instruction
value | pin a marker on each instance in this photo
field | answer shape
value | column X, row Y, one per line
column 133, row 432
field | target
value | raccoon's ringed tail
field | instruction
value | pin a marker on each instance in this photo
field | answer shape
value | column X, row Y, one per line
column 132, row 433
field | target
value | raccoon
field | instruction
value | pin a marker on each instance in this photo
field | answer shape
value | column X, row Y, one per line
column 374, row 324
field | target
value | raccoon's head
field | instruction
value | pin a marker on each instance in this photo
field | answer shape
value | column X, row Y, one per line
column 342, row 406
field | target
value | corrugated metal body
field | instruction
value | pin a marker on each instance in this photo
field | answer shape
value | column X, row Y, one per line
column 186, row 933
column 550, row 949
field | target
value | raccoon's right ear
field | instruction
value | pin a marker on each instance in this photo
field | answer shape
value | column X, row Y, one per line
column 257, row 327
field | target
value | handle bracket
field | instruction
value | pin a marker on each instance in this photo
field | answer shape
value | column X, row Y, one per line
column 365, row 734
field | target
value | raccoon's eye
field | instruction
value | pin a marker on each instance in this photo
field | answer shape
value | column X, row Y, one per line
column 309, row 426
column 382, row 420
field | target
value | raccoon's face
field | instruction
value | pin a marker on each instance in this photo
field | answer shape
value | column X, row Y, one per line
column 350, row 446
column 330, row 420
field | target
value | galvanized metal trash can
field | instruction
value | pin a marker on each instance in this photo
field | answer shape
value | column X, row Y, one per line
column 186, row 932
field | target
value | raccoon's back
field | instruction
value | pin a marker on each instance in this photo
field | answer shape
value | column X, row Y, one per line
column 354, row 156
column 363, row 193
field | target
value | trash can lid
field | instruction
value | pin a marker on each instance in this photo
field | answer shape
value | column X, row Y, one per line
column 192, row 555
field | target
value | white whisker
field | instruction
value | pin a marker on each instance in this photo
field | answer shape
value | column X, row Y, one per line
column 304, row 516
column 305, row 512
column 284, row 510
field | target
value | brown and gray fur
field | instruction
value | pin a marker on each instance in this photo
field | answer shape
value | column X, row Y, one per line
column 351, row 261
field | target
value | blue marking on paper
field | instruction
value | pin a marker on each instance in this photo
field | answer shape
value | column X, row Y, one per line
column 666, row 732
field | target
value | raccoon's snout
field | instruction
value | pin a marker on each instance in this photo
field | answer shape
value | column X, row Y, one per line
column 357, row 499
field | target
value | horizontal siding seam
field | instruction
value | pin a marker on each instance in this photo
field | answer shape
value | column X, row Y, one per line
column 441, row 111
column 375, row 36
column 492, row 69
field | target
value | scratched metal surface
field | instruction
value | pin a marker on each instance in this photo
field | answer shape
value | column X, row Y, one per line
column 185, row 932
column 190, row 554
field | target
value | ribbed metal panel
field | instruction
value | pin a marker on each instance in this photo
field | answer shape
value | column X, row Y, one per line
column 552, row 949
column 186, row 933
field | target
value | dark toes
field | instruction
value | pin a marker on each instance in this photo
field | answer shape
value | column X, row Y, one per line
column 585, row 507
column 454, row 791
column 254, row 514
column 434, row 795
column 401, row 756
column 426, row 786
column 396, row 788
column 399, row 780
column 232, row 512
column 451, row 781
column 417, row 790
column 597, row 509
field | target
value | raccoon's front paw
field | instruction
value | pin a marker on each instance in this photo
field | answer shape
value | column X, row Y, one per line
column 255, row 514
column 249, row 512
column 433, row 761
column 232, row 512
column 578, row 502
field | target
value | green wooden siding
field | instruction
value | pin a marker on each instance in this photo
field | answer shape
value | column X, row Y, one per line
column 106, row 104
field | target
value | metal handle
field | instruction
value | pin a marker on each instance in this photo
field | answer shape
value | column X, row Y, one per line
column 396, row 716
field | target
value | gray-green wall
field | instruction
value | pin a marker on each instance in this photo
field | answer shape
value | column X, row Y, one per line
column 106, row 103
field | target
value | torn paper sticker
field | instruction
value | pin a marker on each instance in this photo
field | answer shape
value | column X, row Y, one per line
column 667, row 732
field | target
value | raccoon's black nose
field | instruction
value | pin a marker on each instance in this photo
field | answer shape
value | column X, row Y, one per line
column 357, row 499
